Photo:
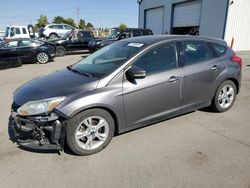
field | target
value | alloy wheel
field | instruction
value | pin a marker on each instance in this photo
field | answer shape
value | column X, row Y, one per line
column 42, row 57
column 226, row 96
column 92, row 132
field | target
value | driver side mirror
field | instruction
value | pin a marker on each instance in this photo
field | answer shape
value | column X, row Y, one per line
column 135, row 73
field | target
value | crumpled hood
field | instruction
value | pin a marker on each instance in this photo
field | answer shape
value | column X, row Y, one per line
column 60, row 83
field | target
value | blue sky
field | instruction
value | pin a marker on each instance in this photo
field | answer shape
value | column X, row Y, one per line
column 102, row 13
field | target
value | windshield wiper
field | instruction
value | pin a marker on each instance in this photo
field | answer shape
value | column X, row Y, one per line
column 70, row 67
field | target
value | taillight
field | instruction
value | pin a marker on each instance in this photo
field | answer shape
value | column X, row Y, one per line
column 236, row 59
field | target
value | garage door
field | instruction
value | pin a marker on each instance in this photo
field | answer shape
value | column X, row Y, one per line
column 187, row 14
column 154, row 20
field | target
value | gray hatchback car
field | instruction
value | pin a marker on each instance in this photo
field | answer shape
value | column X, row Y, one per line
column 124, row 86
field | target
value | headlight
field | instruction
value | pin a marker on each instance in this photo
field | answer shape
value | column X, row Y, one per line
column 39, row 106
column 99, row 42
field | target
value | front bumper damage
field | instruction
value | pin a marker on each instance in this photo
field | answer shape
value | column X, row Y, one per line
column 39, row 132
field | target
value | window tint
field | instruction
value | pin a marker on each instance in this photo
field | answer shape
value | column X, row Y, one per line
column 17, row 30
column 159, row 59
column 147, row 32
column 51, row 27
column 58, row 27
column 136, row 33
column 194, row 52
column 125, row 35
column 24, row 30
column 219, row 50
column 86, row 34
column 68, row 27
column 29, row 43
column 11, row 44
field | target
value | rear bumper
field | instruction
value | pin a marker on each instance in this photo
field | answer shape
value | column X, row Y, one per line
column 38, row 133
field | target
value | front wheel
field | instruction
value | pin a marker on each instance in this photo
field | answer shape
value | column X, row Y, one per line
column 42, row 57
column 224, row 97
column 90, row 131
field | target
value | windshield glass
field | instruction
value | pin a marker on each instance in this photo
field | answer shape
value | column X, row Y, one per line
column 7, row 31
column 114, row 33
column 108, row 59
column 67, row 35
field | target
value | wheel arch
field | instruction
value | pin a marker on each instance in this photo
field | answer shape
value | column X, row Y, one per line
column 109, row 110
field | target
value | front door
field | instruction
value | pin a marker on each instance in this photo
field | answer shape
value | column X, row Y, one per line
column 159, row 94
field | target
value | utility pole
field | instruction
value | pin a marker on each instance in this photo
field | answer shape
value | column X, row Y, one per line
column 78, row 15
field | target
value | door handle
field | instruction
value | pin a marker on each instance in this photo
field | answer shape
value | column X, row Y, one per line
column 215, row 68
column 173, row 79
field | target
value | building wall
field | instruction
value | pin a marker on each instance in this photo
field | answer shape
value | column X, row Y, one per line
column 238, row 25
column 213, row 14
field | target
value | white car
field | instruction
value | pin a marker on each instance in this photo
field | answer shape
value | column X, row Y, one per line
column 55, row 30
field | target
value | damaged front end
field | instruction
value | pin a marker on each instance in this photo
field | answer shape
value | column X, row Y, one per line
column 39, row 132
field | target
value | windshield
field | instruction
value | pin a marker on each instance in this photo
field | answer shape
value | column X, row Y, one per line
column 108, row 59
column 114, row 33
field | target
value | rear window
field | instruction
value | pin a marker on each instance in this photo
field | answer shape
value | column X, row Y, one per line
column 219, row 50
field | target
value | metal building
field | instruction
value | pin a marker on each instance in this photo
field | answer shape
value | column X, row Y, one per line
column 225, row 19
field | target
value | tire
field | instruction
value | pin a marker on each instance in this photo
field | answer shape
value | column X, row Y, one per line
column 83, row 135
column 224, row 97
column 42, row 57
column 60, row 51
column 53, row 36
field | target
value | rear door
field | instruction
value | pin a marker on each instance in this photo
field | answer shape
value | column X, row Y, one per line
column 201, row 69
column 159, row 93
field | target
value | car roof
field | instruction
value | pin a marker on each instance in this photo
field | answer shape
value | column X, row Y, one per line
column 152, row 39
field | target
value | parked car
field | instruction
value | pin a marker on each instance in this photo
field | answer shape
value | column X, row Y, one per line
column 124, row 86
column 55, row 30
column 25, row 51
column 2, row 32
column 73, row 41
column 117, row 34
column 17, row 32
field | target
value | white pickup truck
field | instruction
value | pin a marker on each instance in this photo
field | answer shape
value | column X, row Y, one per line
column 15, row 32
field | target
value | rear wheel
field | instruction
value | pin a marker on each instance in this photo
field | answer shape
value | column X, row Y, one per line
column 60, row 51
column 224, row 97
column 90, row 131
column 42, row 57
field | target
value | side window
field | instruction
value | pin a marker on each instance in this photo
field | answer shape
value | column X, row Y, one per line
column 159, row 59
column 17, row 31
column 24, row 43
column 195, row 52
column 87, row 34
column 11, row 44
column 136, row 33
column 51, row 27
column 125, row 35
column 68, row 27
column 58, row 27
column 219, row 50
column 24, row 30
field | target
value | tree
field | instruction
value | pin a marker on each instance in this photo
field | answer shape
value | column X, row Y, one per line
column 89, row 24
column 82, row 24
column 58, row 20
column 70, row 21
column 42, row 21
column 122, row 26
